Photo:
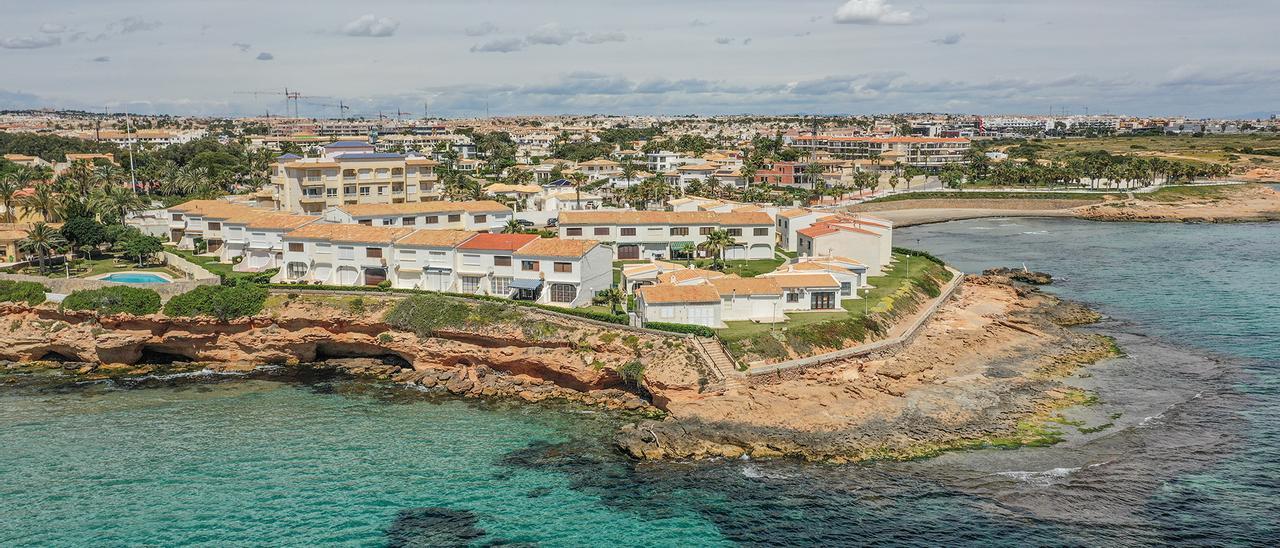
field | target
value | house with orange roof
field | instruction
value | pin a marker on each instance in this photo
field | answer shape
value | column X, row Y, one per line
column 688, row 304
column 335, row 254
column 562, row 272
column 863, row 242
column 427, row 259
column 671, row 234
column 636, row 275
column 255, row 242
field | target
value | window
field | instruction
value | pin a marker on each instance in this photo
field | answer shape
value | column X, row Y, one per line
column 388, row 222
column 431, row 220
column 177, row 216
column 502, row 260
column 564, row 267
column 215, row 226
column 364, row 191
column 601, row 231
column 471, row 259
column 575, row 231
column 793, row 297
column 437, row 257
column 735, row 232
column 482, row 218
column 407, row 254
column 346, row 252
column 331, row 193
column 455, row 218
column 296, row 247
column 373, row 252
column 628, row 231
column 760, row 232
column 563, row 293
column 680, row 231
column 296, row 270
column 409, row 221
column 324, row 248
column 499, row 285
column 365, row 222
column 348, row 191
column 706, row 230
column 382, row 191
column 846, row 288
column 529, row 266
column 470, row 284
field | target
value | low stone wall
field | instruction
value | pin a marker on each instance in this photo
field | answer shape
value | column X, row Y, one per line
column 66, row 286
column 192, row 270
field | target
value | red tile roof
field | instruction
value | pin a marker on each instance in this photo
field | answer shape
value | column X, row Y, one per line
column 498, row 242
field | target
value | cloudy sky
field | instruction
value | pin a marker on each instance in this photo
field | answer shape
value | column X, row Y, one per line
column 1176, row 57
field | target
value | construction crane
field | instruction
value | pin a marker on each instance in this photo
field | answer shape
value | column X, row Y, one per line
column 288, row 96
column 341, row 106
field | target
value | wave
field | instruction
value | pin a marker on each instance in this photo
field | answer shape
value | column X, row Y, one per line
column 1047, row 477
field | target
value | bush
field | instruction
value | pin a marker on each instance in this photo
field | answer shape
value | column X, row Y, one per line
column 223, row 302
column 427, row 314
column 114, row 300
column 31, row 293
column 632, row 373
column 915, row 253
column 699, row 330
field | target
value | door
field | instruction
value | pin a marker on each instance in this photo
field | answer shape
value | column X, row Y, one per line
column 374, row 276
column 259, row 259
column 628, row 252
column 825, row 300
column 347, row 275
column 409, row 278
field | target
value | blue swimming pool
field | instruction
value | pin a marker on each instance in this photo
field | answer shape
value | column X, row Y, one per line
column 135, row 278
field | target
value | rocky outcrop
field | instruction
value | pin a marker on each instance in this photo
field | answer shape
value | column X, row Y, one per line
column 1020, row 275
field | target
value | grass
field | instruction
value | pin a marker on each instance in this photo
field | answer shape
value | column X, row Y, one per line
column 747, row 268
column 107, row 265
column 987, row 195
column 208, row 263
column 1209, row 148
column 901, row 272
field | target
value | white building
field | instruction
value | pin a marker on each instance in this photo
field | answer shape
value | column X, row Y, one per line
column 480, row 215
column 665, row 234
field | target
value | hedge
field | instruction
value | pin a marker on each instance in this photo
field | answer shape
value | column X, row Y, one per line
column 114, row 300
column 223, row 302
column 31, row 293
column 917, row 253
column 620, row 319
column 699, row 330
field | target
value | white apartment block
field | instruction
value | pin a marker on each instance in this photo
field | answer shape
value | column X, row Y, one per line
column 477, row 215
column 664, row 234
column 926, row 152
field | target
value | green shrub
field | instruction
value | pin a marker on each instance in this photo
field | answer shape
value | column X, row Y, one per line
column 620, row 319
column 699, row 330
column 916, row 253
column 384, row 285
column 427, row 314
column 223, row 302
column 114, row 300
column 356, row 306
column 31, row 293
column 632, row 373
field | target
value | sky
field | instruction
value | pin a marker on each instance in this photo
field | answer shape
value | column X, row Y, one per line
column 464, row 58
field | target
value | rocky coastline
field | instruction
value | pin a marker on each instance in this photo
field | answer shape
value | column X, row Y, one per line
column 985, row 367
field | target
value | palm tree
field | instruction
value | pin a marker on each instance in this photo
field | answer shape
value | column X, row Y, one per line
column 42, row 240
column 43, row 201
column 512, row 227
column 8, row 187
column 715, row 244
column 114, row 202
column 612, row 297
column 578, row 179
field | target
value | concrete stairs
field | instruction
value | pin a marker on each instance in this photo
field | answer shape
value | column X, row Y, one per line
column 723, row 364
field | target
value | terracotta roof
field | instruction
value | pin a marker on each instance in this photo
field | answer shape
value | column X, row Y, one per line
column 278, row 221
column 885, row 139
column 674, row 294
column 555, row 247
column 360, row 234
column 823, row 229
column 747, row 286
column 793, row 213
column 677, row 276
column 435, row 238
column 373, row 210
column 662, row 266
column 699, row 167
column 421, row 162
column 816, row 231
column 503, row 187
column 498, row 242
column 311, row 165
column 664, row 218
column 805, row 280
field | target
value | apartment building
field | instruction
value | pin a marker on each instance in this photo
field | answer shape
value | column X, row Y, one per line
column 340, row 254
column 563, row 272
column 865, row 243
column 427, row 259
column 350, row 173
column 203, row 220
column 792, row 221
column 668, row 234
column 689, row 296
column 477, row 215
column 258, row 239
column 925, row 152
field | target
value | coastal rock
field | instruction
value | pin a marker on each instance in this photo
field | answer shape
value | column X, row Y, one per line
column 1021, row 275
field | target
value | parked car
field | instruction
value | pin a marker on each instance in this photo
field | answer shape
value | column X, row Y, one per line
column 525, row 223
column 553, row 222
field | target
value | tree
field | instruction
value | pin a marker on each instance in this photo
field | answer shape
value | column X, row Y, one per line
column 8, row 187
column 140, row 245
column 42, row 240
column 512, row 227
column 114, row 203
column 42, row 200
column 84, row 232
column 578, row 179
column 717, row 241
column 612, row 297
column 952, row 175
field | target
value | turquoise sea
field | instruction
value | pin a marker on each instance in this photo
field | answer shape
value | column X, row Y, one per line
column 1192, row 456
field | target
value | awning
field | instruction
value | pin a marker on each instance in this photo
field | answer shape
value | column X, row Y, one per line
column 437, row 269
column 521, row 283
column 678, row 246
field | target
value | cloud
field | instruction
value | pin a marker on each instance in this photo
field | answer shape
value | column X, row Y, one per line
column 129, row 25
column 698, row 23
column 369, row 25
column 30, row 42
column 501, row 45
column 874, row 12
column 101, row 59
column 602, row 37
column 264, row 56
column 724, row 40
column 482, row 29
column 243, row 47
column 550, row 34
column 746, row 42
column 950, row 39
column 53, row 28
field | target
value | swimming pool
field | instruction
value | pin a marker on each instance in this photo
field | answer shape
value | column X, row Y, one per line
column 135, row 278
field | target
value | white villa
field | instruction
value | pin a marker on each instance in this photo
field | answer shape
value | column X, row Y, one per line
column 664, row 234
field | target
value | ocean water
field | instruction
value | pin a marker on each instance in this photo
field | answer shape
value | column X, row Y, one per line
column 1191, row 456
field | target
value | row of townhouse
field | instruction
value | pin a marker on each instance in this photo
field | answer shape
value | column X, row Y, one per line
column 476, row 215
column 352, row 173
column 811, row 233
column 926, row 152
column 710, row 299
column 518, row 266
column 668, row 234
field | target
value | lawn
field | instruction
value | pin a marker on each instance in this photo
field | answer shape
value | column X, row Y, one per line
column 747, row 268
column 107, row 265
column 1209, row 148
column 212, row 265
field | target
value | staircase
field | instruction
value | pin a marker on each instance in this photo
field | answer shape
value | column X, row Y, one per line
column 724, row 365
